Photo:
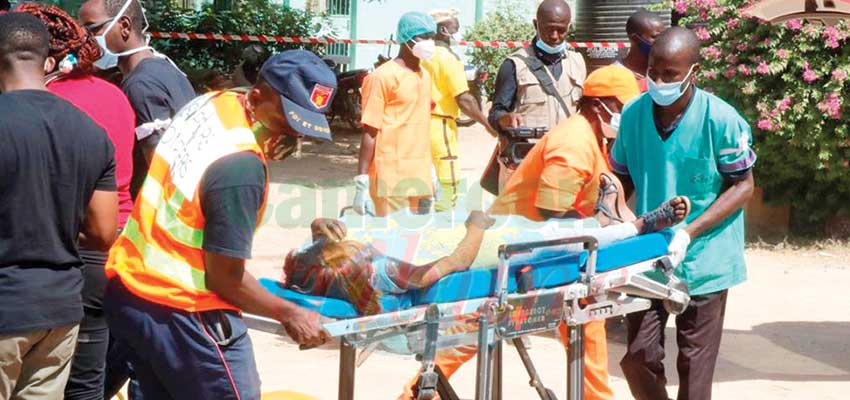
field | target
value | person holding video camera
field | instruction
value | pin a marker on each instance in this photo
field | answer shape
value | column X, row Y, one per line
column 537, row 87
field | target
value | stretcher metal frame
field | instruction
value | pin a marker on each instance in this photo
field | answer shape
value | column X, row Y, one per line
column 595, row 296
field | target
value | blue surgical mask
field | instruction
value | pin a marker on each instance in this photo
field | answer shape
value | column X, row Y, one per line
column 549, row 49
column 644, row 46
column 665, row 94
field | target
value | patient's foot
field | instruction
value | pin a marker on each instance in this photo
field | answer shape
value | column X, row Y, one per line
column 668, row 214
column 611, row 205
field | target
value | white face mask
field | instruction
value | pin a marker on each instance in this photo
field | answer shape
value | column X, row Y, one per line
column 454, row 37
column 109, row 59
column 424, row 49
column 615, row 120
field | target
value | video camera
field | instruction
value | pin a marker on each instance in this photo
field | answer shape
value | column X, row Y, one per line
column 519, row 143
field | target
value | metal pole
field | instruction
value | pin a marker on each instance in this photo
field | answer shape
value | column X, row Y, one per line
column 575, row 363
column 497, row 370
column 352, row 53
column 484, row 381
column 347, row 357
column 542, row 391
column 444, row 388
column 479, row 10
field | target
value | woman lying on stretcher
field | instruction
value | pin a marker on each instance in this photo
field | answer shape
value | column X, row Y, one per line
column 334, row 266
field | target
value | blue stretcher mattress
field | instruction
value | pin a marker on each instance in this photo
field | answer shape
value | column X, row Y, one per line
column 551, row 268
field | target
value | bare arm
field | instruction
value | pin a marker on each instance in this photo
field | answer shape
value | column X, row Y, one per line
column 227, row 277
column 469, row 106
column 101, row 222
column 736, row 196
column 367, row 149
column 460, row 259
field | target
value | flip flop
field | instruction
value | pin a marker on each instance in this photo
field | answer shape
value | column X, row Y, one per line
column 607, row 187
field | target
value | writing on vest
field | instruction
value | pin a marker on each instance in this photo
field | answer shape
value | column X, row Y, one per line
column 537, row 108
column 159, row 255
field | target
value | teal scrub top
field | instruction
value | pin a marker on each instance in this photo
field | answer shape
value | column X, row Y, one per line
column 711, row 141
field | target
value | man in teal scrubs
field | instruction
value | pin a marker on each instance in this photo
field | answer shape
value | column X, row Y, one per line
column 680, row 140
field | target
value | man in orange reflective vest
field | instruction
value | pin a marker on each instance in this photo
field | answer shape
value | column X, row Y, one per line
column 177, row 279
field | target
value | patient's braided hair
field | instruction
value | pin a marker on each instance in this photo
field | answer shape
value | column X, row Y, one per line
column 67, row 37
column 338, row 270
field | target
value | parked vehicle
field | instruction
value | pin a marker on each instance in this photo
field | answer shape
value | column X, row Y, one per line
column 345, row 107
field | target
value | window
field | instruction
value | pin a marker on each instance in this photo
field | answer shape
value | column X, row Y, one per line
column 339, row 7
column 339, row 49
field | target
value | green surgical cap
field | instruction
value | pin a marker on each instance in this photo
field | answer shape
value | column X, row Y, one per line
column 413, row 24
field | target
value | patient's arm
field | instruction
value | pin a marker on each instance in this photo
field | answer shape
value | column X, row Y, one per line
column 422, row 276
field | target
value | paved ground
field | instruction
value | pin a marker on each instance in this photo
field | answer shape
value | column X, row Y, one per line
column 787, row 331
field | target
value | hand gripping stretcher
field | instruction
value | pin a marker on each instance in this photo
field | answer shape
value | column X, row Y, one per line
column 535, row 287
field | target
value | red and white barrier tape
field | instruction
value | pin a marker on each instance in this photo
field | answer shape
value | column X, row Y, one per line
column 312, row 40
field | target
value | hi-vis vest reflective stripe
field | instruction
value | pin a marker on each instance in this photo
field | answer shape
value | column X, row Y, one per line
column 159, row 255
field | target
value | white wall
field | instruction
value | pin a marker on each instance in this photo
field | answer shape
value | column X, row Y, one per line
column 378, row 20
column 299, row 4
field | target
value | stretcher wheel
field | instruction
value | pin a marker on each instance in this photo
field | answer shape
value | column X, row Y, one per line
column 673, row 307
column 679, row 298
column 426, row 394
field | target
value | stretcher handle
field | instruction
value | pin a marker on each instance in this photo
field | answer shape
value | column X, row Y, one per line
column 507, row 251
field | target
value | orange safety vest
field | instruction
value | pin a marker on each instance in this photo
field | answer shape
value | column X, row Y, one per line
column 159, row 255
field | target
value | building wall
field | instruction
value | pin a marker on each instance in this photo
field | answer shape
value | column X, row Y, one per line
column 377, row 19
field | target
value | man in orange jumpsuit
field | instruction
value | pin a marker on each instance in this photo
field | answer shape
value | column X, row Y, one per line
column 394, row 169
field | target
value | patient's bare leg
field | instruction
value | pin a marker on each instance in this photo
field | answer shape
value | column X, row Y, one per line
column 611, row 205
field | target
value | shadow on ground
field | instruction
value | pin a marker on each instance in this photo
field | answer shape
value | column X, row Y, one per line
column 779, row 351
column 335, row 162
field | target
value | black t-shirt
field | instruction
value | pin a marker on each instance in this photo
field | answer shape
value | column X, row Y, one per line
column 231, row 194
column 156, row 90
column 52, row 158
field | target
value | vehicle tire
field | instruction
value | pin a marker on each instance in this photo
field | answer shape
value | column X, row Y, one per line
column 353, row 118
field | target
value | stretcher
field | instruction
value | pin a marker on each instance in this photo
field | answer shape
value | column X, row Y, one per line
column 534, row 288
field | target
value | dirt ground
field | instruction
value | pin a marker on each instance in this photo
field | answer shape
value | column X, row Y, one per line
column 786, row 336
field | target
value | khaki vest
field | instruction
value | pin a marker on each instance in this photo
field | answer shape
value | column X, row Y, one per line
column 537, row 108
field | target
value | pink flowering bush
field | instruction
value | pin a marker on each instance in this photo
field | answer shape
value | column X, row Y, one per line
column 790, row 80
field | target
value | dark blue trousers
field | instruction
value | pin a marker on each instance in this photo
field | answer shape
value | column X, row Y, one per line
column 181, row 355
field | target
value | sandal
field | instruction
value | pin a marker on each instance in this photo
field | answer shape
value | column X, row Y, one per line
column 664, row 216
column 607, row 187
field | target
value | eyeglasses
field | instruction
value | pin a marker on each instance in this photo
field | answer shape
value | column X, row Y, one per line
column 97, row 25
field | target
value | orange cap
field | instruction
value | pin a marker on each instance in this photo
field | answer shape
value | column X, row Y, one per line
column 612, row 81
